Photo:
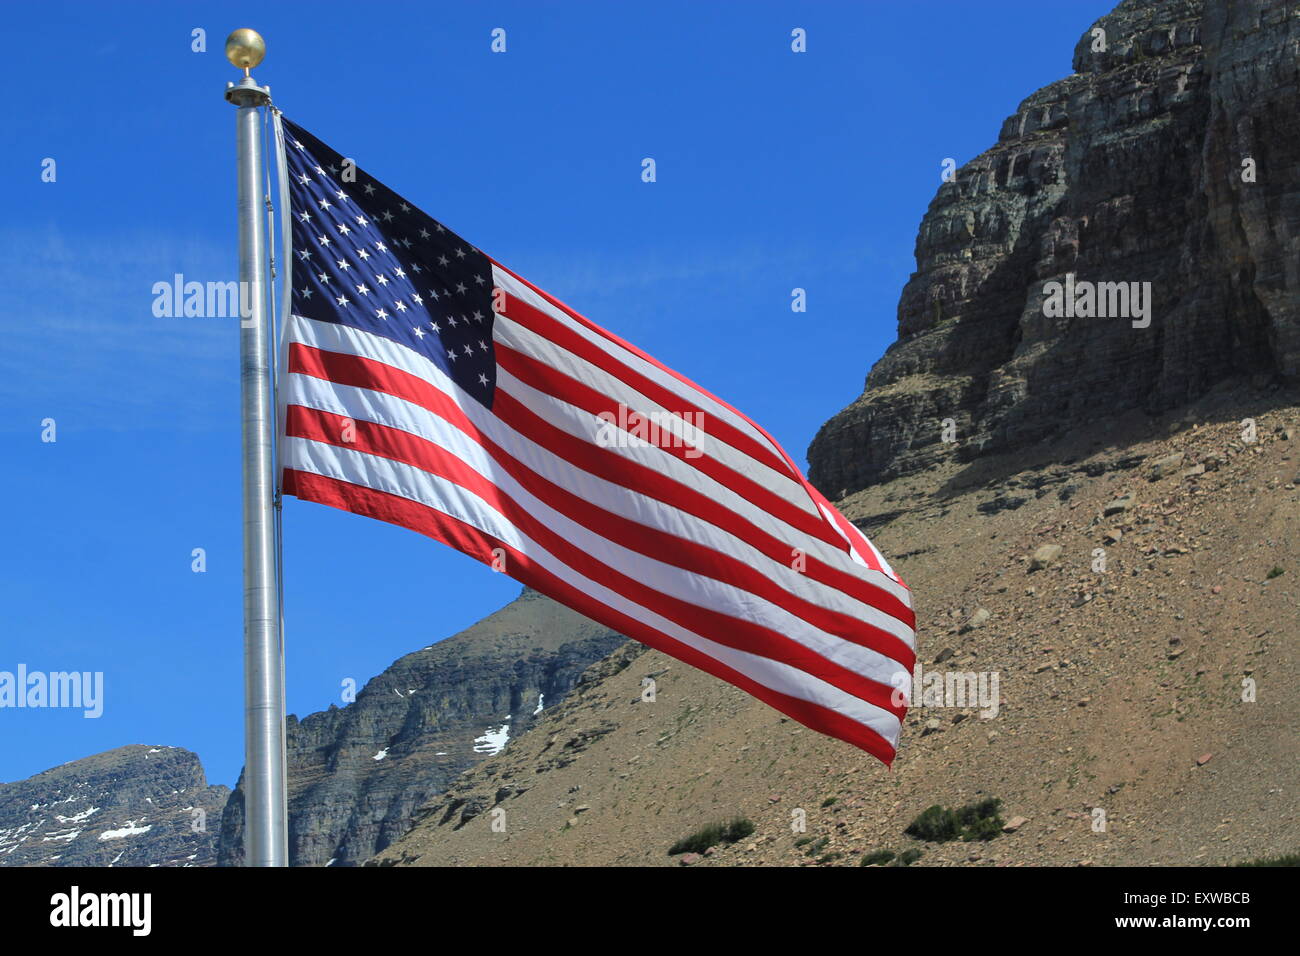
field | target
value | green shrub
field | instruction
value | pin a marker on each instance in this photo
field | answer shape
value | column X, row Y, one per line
column 1274, row 572
column 879, row 858
column 975, row 821
column 907, row 857
column 829, row 802
column 712, row 835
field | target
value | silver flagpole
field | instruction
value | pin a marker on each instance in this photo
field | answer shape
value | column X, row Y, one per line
column 265, row 814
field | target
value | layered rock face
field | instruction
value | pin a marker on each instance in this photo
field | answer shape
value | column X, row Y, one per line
column 133, row 806
column 358, row 773
column 1136, row 168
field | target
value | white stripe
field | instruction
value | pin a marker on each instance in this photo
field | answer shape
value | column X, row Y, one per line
column 355, row 467
column 520, row 290
column 361, row 404
column 334, row 337
column 668, row 579
column 542, row 349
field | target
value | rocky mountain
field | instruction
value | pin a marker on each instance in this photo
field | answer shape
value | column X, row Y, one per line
column 1109, row 547
column 357, row 773
column 1170, row 156
column 133, row 806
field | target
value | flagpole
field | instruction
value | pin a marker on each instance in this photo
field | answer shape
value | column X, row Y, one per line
column 265, row 805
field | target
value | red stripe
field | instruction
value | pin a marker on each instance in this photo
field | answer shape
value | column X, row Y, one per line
column 566, row 338
column 378, row 439
column 567, row 389
column 744, row 635
column 472, row 541
column 359, row 372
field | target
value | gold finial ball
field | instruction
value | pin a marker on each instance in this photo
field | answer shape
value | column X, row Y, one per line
column 245, row 48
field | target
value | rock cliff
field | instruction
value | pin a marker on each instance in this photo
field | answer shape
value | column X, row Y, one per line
column 1170, row 156
column 133, row 806
column 357, row 773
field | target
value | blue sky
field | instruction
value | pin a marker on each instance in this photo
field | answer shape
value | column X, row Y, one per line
column 775, row 170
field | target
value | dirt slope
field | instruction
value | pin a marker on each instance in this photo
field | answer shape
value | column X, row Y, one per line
column 1115, row 687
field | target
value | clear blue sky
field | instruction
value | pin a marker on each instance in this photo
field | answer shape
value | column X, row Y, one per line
column 775, row 170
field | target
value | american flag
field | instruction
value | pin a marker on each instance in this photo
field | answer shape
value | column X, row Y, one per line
column 427, row 385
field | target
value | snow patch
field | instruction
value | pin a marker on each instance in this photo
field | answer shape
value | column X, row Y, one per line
column 493, row 741
column 381, row 755
column 77, row 817
column 131, row 829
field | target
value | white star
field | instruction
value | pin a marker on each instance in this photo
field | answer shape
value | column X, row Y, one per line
column 468, row 350
column 343, row 228
column 370, row 190
column 478, row 316
column 342, row 300
column 435, row 326
column 318, row 169
column 442, row 261
column 425, row 233
column 388, row 216
column 363, row 254
column 304, row 254
column 406, row 243
column 305, row 293
column 381, row 279
column 460, row 253
column 434, row 293
column 419, row 332
column 341, row 194
column 380, row 314
column 451, row 354
column 399, row 273
column 324, row 278
column 401, row 306
column 404, row 207
column 438, row 226
column 451, row 320
column 334, row 170
column 482, row 379
column 304, row 178
column 460, row 287
column 297, row 145
column 381, row 247
column 304, row 215
column 361, row 221
column 416, row 267
column 482, row 346
column 362, row 289
column 416, row 298
column 323, row 203
column 343, row 264
column 324, row 240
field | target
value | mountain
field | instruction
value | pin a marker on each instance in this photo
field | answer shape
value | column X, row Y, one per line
column 1131, row 169
column 133, row 806
column 356, row 774
column 1113, row 537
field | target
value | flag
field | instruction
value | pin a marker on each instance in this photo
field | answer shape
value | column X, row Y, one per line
column 427, row 385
